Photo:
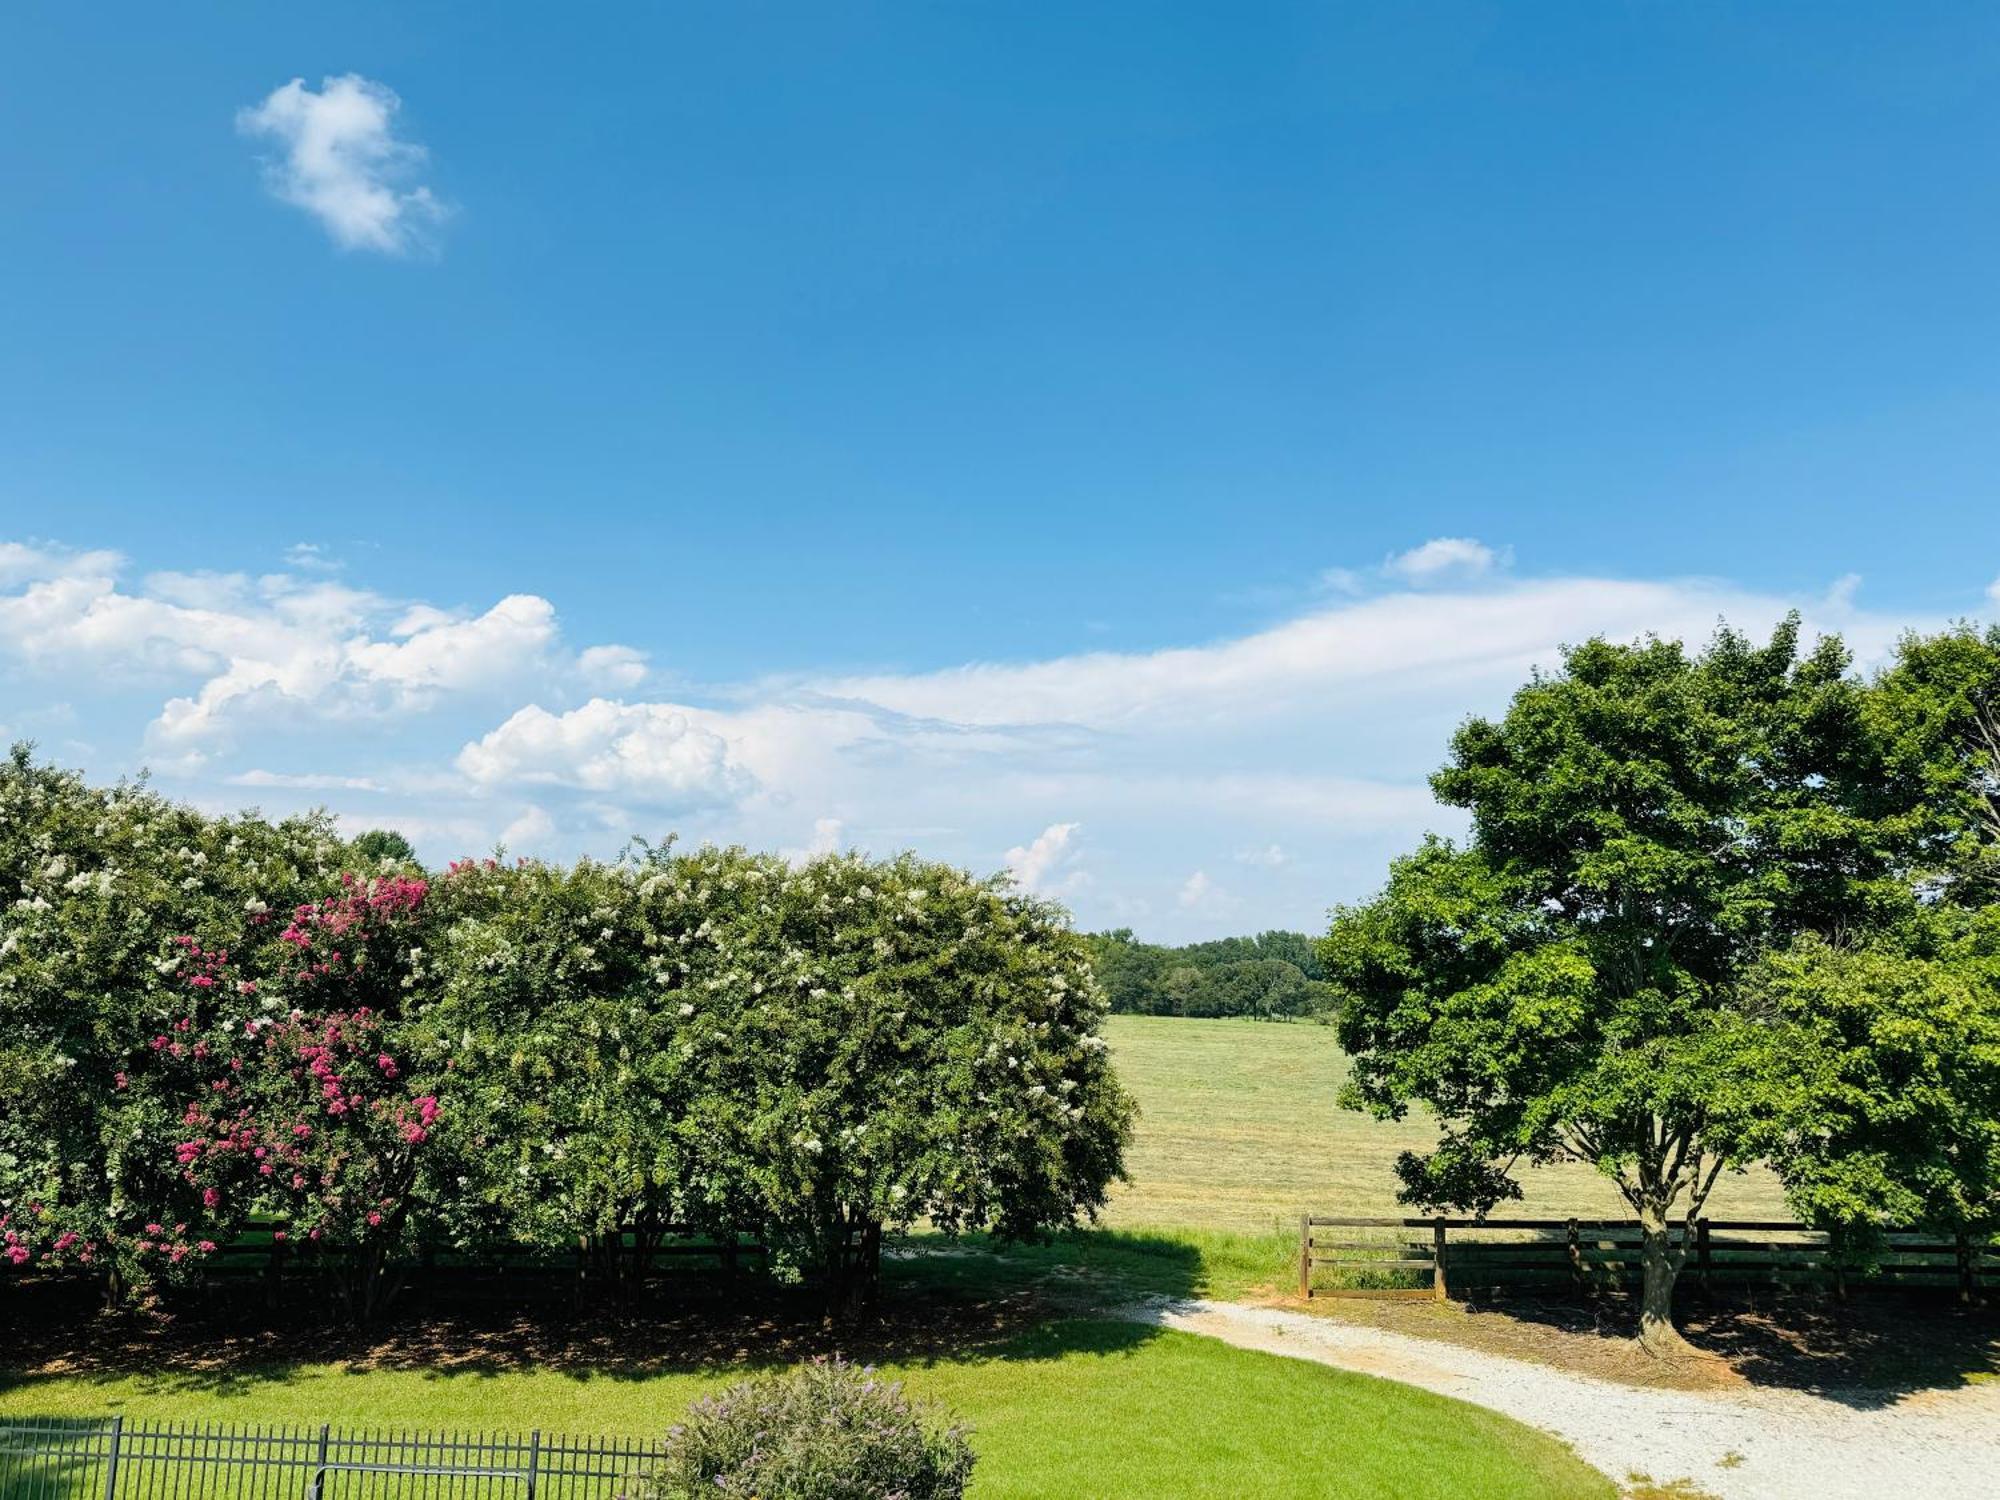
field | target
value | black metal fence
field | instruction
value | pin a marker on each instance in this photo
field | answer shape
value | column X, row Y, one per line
column 113, row 1459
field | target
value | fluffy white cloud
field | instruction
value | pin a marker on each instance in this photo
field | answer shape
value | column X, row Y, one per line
column 1444, row 559
column 278, row 649
column 22, row 562
column 1270, row 857
column 658, row 750
column 343, row 164
column 1993, row 593
column 613, row 668
column 1035, row 865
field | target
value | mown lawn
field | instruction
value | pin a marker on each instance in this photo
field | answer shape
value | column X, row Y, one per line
column 1075, row 1407
column 1239, row 1131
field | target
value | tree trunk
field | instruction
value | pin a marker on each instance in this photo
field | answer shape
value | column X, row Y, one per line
column 1660, row 1262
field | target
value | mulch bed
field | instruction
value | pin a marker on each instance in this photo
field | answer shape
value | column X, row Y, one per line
column 62, row 1330
column 1877, row 1341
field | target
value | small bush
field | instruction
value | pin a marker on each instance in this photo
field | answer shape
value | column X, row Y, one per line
column 827, row 1430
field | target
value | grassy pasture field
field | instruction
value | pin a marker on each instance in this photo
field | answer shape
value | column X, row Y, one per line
column 1239, row 1131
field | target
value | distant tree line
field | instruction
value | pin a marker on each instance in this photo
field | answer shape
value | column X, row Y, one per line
column 1273, row 976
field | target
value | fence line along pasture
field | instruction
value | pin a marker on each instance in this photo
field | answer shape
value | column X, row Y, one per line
column 1435, row 1257
column 88, row 1459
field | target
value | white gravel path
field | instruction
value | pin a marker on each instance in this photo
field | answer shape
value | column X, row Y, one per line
column 1741, row 1444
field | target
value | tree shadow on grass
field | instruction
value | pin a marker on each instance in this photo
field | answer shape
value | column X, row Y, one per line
column 942, row 1302
column 1869, row 1352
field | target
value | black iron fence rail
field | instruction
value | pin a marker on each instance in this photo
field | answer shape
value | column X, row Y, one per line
column 62, row 1458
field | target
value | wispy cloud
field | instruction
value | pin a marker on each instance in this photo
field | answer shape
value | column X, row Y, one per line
column 342, row 163
column 1445, row 559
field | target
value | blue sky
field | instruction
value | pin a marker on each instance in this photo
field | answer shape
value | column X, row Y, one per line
column 1009, row 431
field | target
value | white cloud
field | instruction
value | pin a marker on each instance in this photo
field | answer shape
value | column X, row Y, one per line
column 1271, row 857
column 1400, row 643
column 529, row 833
column 23, row 562
column 1993, row 593
column 310, row 557
column 1198, row 890
column 343, row 164
column 657, row 750
column 310, row 781
column 1444, row 559
column 612, row 668
column 1037, row 866
column 437, row 654
column 825, row 840
column 277, row 650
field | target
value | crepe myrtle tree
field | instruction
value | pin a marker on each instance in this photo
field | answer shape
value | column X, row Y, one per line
column 882, row 1042
column 563, row 1069
column 283, row 1084
column 1570, row 982
column 97, row 884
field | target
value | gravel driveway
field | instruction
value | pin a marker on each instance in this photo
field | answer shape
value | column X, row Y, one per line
column 1743, row 1444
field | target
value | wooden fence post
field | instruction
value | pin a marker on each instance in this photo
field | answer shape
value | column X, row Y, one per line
column 1702, row 1263
column 1575, row 1257
column 1437, row 1260
column 1962, row 1242
column 1305, row 1257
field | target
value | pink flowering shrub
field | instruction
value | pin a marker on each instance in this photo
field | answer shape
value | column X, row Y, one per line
column 281, row 1089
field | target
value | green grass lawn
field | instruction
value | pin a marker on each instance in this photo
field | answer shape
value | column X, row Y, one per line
column 1239, row 1131
column 1075, row 1407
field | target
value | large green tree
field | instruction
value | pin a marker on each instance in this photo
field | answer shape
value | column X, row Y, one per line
column 1889, row 1038
column 1570, row 981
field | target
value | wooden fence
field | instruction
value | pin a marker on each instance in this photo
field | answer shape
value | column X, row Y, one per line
column 267, row 1258
column 1441, row 1257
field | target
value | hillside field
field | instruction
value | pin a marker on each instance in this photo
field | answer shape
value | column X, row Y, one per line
column 1238, row 1130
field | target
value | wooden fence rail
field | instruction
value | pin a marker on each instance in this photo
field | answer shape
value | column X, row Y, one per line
column 1435, row 1257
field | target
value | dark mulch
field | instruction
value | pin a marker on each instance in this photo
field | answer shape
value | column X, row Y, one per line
column 690, row 1324
column 1871, row 1348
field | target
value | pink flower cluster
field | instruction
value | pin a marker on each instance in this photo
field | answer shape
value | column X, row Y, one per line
column 17, row 1242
